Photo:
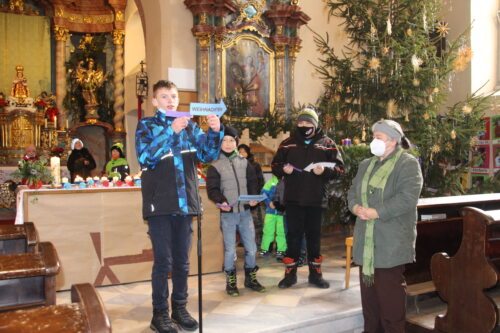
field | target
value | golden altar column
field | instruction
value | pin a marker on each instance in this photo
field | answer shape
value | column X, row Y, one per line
column 61, row 35
column 118, row 39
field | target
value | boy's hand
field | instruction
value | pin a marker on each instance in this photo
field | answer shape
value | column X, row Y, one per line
column 179, row 124
column 213, row 122
column 225, row 207
column 288, row 169
column 253, row 203
column 318, row 170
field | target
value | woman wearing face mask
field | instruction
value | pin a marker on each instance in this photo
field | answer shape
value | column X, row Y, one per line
column 384, row 196
column 305, row 193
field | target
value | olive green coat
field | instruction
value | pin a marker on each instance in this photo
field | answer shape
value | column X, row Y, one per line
column 395, row 230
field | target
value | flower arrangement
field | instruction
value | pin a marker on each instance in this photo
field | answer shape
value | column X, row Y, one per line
column 40, row 105
column 57, row 151
column 33, row 172
column 51, row 113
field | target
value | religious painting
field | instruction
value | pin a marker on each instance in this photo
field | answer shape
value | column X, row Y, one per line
column 495, row 128
column 248, row 73
column 484, row 134
column 481, row 158
column 496, row 154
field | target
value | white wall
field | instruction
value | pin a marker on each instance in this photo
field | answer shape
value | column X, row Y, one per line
column 308, row 86
column 135, row 52
column 484, row 42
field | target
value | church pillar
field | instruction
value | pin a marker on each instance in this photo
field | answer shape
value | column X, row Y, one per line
column 204, row 41
column 218, row 66
column 118, row 37
column 280, row 105
column 293, row 51
column 61, row 36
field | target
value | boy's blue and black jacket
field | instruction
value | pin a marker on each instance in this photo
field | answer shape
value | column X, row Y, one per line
column 168, row 161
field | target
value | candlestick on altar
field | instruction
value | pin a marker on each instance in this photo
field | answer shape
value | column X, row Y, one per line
column 45, row 122
column 55, row 122
column 67, row 124
column 55, row 169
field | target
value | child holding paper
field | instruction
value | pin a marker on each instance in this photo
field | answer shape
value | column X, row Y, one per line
column 305, row 192
column 228, row 178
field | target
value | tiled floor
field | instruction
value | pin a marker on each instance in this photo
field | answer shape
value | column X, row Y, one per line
column 299, row 309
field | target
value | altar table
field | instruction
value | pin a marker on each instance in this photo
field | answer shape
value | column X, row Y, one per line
column 101, row 238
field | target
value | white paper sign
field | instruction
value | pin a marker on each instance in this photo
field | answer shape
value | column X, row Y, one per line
column 323, row 164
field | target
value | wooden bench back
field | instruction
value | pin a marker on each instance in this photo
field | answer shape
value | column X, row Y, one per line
column 462, row 279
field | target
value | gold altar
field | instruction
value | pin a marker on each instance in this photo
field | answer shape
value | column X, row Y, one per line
column 100, row 236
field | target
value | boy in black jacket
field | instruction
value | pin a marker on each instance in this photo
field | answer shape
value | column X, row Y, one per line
column 305, row 192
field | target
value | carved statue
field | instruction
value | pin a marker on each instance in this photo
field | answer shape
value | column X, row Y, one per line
column 90, row 80
column 20, row 89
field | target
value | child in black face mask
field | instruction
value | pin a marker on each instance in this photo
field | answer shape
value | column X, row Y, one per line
column 307, row 122
column 305, row 197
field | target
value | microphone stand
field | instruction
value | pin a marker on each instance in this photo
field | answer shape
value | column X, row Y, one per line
column 199, row 251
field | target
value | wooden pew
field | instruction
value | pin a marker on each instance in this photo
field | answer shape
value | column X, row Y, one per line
column 442, row 234
column 462, row 279
column 85, row 314
column 18, row 238
column 28, row 279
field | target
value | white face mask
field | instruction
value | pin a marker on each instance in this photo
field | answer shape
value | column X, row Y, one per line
column 377, row 147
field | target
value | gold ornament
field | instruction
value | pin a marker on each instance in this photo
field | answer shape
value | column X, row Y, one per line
column 426, row 116
column 466, row 109
column 442, row 29
column 374, row 63
column 416, row 62
column 392, row 108
column 435, row 90
column 464, row 56
column 436, row 148
column 453, row 134
column 409, row 32
column 448, row 146
column 385, row 50
column 416, row 82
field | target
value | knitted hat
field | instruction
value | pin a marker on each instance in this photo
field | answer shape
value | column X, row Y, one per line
column 309, row 115
column 118, row 147
column 389, row 127
column 73, row 143
column 231, row 131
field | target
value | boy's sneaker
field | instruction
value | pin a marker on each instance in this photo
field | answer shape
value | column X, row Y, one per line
column 264, row 253
column 161, row 322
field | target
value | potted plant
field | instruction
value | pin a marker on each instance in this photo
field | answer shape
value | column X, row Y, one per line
column 33, row 173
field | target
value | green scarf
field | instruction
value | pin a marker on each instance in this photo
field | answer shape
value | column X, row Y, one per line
column 377, row 180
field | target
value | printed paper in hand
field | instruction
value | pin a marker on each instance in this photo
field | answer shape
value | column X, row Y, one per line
column 324, row 164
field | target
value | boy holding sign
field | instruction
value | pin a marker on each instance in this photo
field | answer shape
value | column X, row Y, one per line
column 168, row 146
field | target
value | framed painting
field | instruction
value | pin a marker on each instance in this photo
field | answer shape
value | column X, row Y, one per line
column 248, row 73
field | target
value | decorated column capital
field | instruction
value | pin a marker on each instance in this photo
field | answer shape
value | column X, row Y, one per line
column 118, row 37
column 61, row 33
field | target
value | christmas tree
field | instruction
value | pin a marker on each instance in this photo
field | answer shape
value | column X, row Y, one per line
column 397, row 65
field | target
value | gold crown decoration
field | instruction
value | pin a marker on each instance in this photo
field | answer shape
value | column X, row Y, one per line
column 19, row 68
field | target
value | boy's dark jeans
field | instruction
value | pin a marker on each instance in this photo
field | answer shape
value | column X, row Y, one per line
column 171, row 238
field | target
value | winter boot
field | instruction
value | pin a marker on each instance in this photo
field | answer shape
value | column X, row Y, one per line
column 251, row 280
column 181, row 317
column 161, row 322
column 290, row 273
column 231, row 284
column 315, row 275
